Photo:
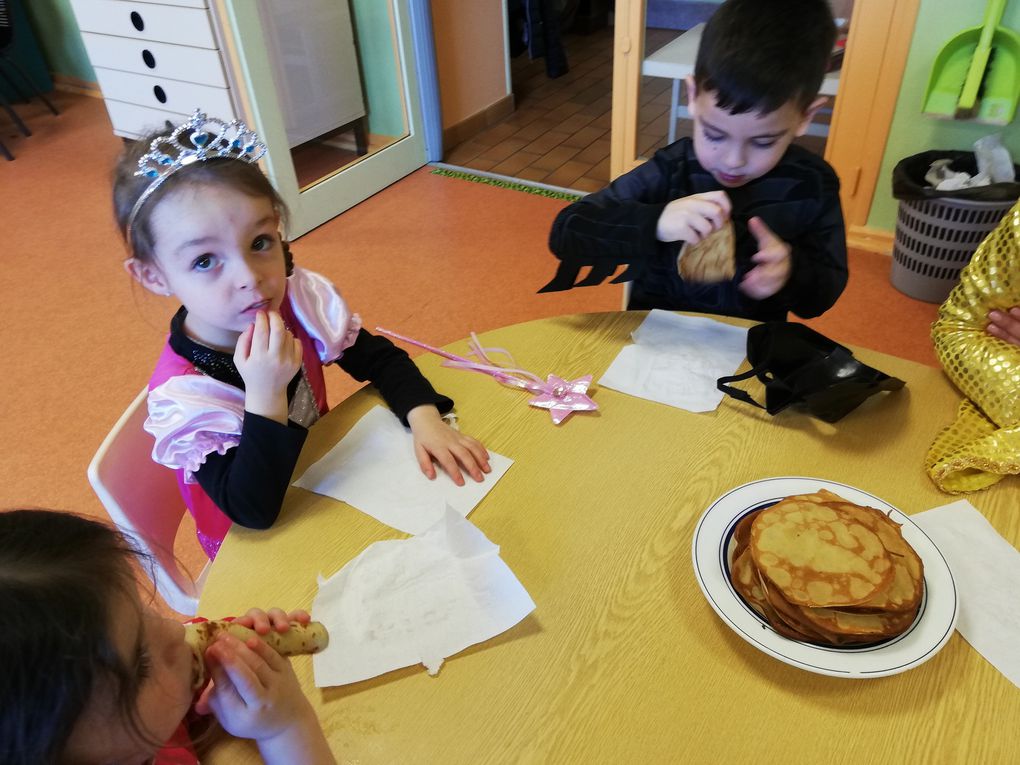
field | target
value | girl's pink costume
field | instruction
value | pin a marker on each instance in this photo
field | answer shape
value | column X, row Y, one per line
column 192, row 415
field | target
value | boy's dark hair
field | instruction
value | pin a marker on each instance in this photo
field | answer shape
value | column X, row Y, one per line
column 60, row 575
column 128, row 187
column 756, row 55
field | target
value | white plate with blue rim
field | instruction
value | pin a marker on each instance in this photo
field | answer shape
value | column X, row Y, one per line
column 711, row 553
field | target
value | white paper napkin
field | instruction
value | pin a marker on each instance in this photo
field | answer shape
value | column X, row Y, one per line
column 417, row 600
column 987, row 572
column 374, row 469
column 676, row 360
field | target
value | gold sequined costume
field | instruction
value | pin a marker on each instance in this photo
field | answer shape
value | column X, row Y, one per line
column 983, row 444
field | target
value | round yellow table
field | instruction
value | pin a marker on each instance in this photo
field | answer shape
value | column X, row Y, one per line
column 623, row 660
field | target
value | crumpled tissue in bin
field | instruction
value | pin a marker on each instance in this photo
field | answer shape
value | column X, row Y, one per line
column 994, row 165
column 943, row 178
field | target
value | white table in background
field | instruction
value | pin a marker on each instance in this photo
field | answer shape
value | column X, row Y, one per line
column 675, row 60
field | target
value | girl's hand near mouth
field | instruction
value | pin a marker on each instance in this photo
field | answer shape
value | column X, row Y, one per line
column 267, row 357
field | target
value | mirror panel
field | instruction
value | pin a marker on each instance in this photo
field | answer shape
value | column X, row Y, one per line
column 335, row 67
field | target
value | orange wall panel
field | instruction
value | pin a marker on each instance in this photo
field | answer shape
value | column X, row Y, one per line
column 470, row 56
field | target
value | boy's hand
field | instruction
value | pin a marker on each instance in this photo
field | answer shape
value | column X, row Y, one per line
column 691, row 219
column 772, row 263
column 435, row 440
column 267, row 357
column 1005, row 325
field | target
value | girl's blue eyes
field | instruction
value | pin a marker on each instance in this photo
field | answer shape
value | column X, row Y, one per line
column 202, row 263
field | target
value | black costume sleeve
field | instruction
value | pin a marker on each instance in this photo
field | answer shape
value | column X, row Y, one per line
column 816, row 233
column 612, row 227
column 798, row 200
column 248, row 482
column 819, row 261
column 399, row 381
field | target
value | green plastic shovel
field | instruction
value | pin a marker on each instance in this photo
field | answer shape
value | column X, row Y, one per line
column 976, row 75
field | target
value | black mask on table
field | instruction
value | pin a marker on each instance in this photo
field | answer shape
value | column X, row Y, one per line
column 799, row 366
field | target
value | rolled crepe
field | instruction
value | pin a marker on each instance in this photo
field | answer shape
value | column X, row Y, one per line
column 713, row 259
column 299, row 639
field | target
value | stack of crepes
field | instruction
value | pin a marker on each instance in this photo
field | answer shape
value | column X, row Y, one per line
column 824, row 570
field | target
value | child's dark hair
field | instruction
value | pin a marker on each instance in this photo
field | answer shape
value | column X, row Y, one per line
column 60, row 576
column 128, row 187
column 756, row 55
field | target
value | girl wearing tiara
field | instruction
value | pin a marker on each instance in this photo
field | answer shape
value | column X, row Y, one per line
column 240, row 378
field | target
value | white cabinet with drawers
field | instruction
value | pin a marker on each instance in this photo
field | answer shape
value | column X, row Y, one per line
column 155, row 61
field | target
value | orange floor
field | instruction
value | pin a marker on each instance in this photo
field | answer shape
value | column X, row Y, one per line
column 430, row 256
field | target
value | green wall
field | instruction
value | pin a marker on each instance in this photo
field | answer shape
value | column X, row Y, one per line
column 911, row 131
column 56, row 30
column 383, row 93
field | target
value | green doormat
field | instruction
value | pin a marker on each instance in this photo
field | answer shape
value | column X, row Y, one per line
column 512, row 185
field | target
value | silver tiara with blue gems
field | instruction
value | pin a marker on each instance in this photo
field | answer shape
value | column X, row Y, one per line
column 199, row 139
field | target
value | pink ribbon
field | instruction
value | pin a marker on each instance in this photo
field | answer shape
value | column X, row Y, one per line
column 561, row 397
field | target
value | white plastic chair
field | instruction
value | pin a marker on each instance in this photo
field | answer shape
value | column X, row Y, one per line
column 143, row 499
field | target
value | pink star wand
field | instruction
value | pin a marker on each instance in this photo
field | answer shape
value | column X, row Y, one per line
column 561, row 397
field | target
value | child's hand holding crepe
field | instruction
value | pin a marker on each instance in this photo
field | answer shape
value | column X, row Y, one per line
column 255, row 694
column 702, row 223
column 287, row 634
column 694, row 217
column 713, row 259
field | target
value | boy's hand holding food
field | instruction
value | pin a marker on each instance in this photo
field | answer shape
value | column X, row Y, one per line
column 690, row 219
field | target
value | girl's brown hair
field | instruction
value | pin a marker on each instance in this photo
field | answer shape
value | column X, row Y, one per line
column 60, row 578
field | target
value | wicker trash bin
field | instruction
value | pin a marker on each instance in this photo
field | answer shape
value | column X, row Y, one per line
column 935, row 239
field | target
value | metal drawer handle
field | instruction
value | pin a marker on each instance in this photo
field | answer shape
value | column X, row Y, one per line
column 149, row 59
column 137, row 21
column 159, row 93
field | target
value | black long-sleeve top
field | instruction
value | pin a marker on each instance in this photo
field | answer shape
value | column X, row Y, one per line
column 798, row 200
column 248, row 482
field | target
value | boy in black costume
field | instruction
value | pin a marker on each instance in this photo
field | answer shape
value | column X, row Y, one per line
column 755, row 88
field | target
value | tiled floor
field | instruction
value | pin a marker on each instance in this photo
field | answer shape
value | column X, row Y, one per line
column 559, row 134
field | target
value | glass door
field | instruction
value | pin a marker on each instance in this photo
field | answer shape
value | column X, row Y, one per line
column 331, row 86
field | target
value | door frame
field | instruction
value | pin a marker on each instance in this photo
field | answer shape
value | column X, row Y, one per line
column 876, row 52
